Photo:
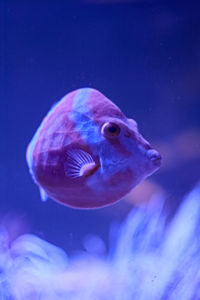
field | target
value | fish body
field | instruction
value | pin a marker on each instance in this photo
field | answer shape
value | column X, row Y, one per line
column 87, row 154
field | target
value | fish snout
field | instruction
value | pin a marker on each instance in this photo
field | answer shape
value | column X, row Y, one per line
column 142, row 143
column 155, row 157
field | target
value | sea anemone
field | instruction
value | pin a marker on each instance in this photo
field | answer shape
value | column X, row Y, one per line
column 147, row 260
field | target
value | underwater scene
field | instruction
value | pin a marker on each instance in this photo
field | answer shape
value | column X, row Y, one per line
column 100, row 159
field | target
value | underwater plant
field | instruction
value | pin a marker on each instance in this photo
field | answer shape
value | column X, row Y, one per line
column 147, row 260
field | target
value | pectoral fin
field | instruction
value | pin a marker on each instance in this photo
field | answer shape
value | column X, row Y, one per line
column 79, row 163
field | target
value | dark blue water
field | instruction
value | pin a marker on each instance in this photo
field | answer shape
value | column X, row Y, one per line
column 144, row 55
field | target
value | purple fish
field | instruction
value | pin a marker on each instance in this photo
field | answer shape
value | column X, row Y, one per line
column 87, row 154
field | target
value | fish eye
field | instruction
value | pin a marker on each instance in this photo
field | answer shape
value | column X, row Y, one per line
column 110, row 130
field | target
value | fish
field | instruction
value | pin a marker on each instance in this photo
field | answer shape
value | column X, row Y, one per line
column 87, row 154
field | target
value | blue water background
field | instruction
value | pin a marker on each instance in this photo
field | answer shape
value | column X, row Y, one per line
column 144, row 55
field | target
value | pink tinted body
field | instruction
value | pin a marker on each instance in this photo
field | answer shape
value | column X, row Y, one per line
column 70, row 137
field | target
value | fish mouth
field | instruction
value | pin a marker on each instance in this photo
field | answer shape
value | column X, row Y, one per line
column 155, row 157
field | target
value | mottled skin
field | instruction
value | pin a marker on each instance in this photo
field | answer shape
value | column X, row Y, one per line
column 76, row 123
